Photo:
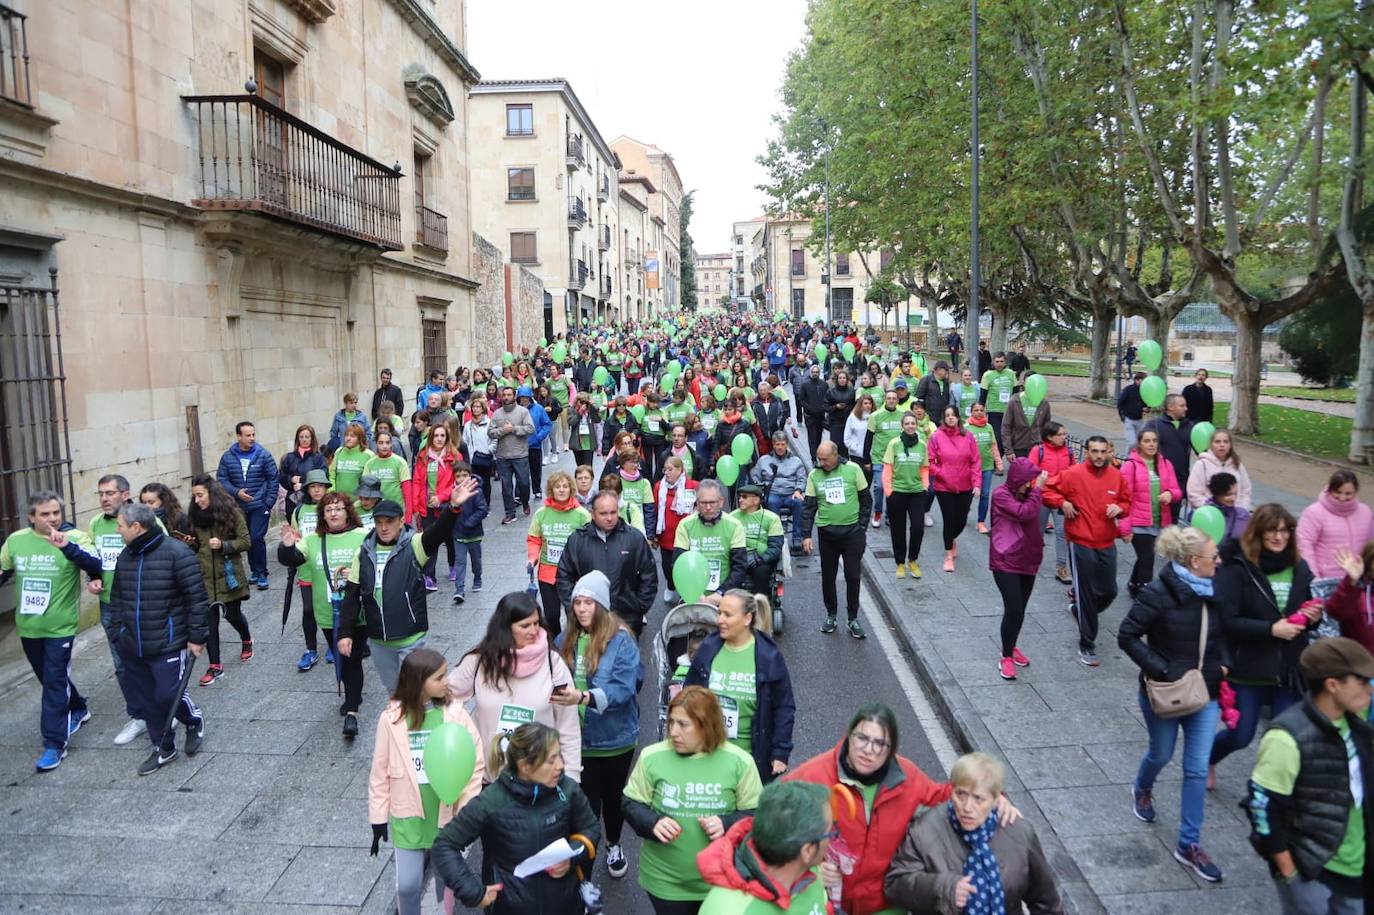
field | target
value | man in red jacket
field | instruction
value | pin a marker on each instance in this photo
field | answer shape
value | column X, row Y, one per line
column 1092, row 496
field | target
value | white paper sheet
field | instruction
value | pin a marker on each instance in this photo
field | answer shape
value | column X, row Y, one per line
column 555, row 852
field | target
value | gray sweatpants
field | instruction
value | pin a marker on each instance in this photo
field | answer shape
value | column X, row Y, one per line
column 410, row 882
column 388, row 661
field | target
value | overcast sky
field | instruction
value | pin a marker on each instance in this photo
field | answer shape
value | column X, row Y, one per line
column 704, row 87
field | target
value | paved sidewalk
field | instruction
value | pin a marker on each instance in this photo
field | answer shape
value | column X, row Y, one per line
column 1072, row 736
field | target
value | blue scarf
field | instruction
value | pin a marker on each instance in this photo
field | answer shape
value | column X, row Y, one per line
column 981, row 865
column 1202, row 587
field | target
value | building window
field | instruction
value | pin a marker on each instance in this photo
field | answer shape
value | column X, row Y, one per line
column 519, row 184
column 798, row 304
column 739, row 239
column 798, row 262
column 523, row 249
column 842, row 305
column 842, row 265
column 270, row 75
column 434, row 345
column 519, row 120
column 422, row 180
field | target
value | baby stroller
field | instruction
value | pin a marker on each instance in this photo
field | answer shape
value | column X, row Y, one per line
column 683, row 629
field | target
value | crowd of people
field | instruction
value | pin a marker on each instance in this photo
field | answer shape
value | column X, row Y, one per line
column 725, row 446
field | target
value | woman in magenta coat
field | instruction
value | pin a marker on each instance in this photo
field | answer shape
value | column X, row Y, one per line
column 1155, row 494
column 956, row 469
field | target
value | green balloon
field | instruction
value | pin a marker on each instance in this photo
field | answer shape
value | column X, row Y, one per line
column 601, row 376
column 1202, row 436
column 449, row 758
column 543, row 341
column 667, row 383
column 638, row 412
column 720, row 392
column 1036, row 389
column 507, row 358
column 560, row 353
column 742, row 447
column 690, row 575
column 675, row 368
column 848, row 350
column 727, row 469
column 1153, row 390
column 1210, row 521
column 1150, row 354
column 821, row 352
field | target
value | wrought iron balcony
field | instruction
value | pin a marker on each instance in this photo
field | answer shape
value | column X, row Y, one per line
column 14, row 57
column 605, row 287
column 577, row 274
column 603, row 240
column 577, row 213
column 604, row 192
column 431, row 228
column 256, row 157
column 576, row 157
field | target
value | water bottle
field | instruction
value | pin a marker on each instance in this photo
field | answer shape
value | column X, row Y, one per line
column 231, row 581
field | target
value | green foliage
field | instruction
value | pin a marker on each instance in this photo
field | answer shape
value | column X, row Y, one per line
column 687, row 275
column 885, row 290
column 1305, row 431
column 1327, row 395
column 1324, row 340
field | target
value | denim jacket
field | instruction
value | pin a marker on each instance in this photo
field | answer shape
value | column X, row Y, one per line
column 612, row 720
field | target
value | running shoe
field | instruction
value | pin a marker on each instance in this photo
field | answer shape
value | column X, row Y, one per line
column 509, row 519
column 431, row 584
column 50, row 760
column 913, row 568
column 194, row 738
column 329, row 655
column 930, row 522
column 308, row 660
column 1006, row 668
column 131, row 730
column 1143, row 805
column 453, row 574
column 1088, row 658
column 1193, row 856
column 830, row 625
column 616, row 865
column 527, row 509
column 156, row 760
column 458, row 598
column 982, row 527
column 212, row 673
column 856, row 629
column 901, row 570
column 262, row 583
column 1061, row 574
column 246, row 652
column 1019, row 659
column 76, row 719
column 949, row 561
column 877, row 518
column 477, row 586
column 350, row 726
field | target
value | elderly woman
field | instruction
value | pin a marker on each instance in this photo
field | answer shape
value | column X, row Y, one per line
column 960, row 857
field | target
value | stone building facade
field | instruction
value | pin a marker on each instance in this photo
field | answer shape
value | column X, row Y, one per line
column 665, row 206
column 713, row 276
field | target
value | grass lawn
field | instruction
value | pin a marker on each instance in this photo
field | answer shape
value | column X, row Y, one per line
column 1055, row 367
column 1304, row 431
column 1331, row 395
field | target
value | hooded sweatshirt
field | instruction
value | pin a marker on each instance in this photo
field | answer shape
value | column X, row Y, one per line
column 1209, row 465
column 736, row 875
column 1327, row 525
column 1018, row 539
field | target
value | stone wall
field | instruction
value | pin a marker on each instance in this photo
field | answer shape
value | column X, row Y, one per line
column 527, row 306
column 489, row 334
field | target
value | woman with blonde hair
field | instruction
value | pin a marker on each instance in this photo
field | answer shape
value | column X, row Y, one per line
column 347, row 463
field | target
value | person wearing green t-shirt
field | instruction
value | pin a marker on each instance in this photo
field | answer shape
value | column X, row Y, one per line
column 391, row 470
column 113, row 491
column 718, row 537
column 837, row 499
column 997, row 386
column 403, row 807
column 1309, row 792
column 763, row 537
column 884, row 424
column 685, row 792
column 906, row 474
column 770, row 864
column 550, row 527
column 964, row 393
column 560, row 390
column 346, row 464
column 47, row 559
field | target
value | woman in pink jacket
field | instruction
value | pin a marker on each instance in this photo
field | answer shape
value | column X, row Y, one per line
column 401, row 805
column 957, row 471
column 1338, row 519
column 1052, row 456
column 1220, row 455
column 1155, row 495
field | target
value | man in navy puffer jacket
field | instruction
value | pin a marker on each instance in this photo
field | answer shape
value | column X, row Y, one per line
column 248, row 472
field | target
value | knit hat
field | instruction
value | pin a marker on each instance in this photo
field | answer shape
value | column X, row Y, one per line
column 596, row 586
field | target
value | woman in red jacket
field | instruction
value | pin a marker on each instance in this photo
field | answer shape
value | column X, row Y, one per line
column 883, row 792
column 1352, row 603
column 675, row 494
column 957, row 471
column 431, row 484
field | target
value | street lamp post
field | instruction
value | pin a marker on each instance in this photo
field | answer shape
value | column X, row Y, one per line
column 972, row 323
column 825, row 271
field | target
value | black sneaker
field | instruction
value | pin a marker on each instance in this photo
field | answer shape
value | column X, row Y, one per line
column 616, row 865
column 509, row 519
column 350, row 726
column 856, row 629
column 156, row 760
column 830, row 625
column 194, row 739
column 458, row 598
column 1193, row 856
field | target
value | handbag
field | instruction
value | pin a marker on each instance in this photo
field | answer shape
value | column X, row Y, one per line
column 1187, row 694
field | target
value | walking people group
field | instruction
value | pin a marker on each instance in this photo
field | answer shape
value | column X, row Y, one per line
column 688, row 442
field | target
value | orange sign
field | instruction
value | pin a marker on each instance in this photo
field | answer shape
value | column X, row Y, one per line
column 650, row 269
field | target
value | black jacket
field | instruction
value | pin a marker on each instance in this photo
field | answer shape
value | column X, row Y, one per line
column 1160, row 632
column 1199, row 400
column 1256, row 654
column 1018, row 363
column 1175, row 444
column 771, row 416
column 839, row 403
column 934, row 395
column 293, row 465
column 1129, row 405
column 583, row 375
column 388, row 392
column 404, row 610
column 514, row 819
column 725, row 434
column 624, row 557
column 158, row 600
column 612, row 425
column 771, row 729
column 811, row 396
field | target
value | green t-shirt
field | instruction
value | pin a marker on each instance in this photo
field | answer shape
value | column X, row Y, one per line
column 347, row 467
column 907, row 464
column 306, row 518
column 758, row 527
column 420, row 832
column 836, row 493
column 1281, row 583
column 343, row 550
column 714, row 542
column 558, row 389
column 999, row 386
column 1153, row 467
column 684, row 788
column 48, row 587
column 108, row 545
column 637, row 492
column 580, row 675
column 676, row 413
column 554, row 527
column 1276, row 769
column 984, row 437
column 734, row 681
column 885, row 425
column 709, row 420
column 391, row 472
column 968, row 396
column 876, row 392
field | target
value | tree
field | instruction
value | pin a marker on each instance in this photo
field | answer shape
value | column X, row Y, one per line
column 687, row 270
column 1324, row 339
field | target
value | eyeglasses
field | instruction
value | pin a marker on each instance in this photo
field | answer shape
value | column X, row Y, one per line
column 107, row 492
column 864, row 742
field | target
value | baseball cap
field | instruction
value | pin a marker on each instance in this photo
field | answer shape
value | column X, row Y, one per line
column 1336, row 657
column 750, row 489
column 901, row 383
column 387, row 508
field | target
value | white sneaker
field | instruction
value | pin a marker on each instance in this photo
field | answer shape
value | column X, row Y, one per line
column 930, row 522
column 130, row 731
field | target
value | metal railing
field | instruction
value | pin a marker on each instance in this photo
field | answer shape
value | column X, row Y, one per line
column 604, row 193
column 577, row 212
column 255, row 156
column 604, row 239
column 431, row 228
column 577, row 274
column 575, row 154
column 14, row 57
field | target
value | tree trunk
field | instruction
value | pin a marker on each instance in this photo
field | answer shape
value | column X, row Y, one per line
column 1362, row 430
column 1157, row 326
column 1100, row 366
column 1001, row 315
column 1244, row 416
column 933, row 315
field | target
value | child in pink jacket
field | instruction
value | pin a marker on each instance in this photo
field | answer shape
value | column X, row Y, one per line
column 1150, row 511
column 401, row 805
column 956, row 469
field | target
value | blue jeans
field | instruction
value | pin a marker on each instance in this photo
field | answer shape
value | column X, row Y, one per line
column 1249, row 699
column 875, row 486
column 257, row 518
column 1199, row 730
column 463, row 550
column 785, row 503
column 107, row 623
column 984, row 496
column 51, row 660
column 514, row 472
column 1061, row 546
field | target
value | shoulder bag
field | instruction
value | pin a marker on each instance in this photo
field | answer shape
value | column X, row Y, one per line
column 1187, row 694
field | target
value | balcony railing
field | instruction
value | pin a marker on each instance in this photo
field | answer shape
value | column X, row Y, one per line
column 255, row 156
column 577, row 274
column 431, row 228
column 604, row 192
column 14, row 57
column 605, row 287
column 577, row 213
column 576, row 157
column 603, row 241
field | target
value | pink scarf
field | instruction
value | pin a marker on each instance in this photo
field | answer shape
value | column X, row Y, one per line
column 530, row 658
column 1335, row 506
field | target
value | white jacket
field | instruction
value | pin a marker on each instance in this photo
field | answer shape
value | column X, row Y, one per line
column 1208, row 466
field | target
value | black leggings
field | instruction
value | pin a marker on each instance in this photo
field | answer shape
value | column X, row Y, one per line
column 233, row 612
column 666, row 554
column 903, row 509
column 1016, row 592
column 582, row 458
column 1144, row 569
column 674, row 906
column 954, row 508
column 308, row 627
column 603, row 781
column 553, row 608
column 350, row 669
column 536, row 462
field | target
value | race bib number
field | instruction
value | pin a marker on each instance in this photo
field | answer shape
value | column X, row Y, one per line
column 585, row 428
column 685, row 502
column 552, row 553
column 34, row 597
column 512, row 716
column 109, row 546
column 729, row 708
column 368, row 521
column 713, row 582
column 307, row 524
column 1004, row 396
column 833, row 489
column 708, row 424
column 418, row 739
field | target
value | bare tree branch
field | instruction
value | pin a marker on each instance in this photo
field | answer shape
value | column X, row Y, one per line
column 1315, row 121
column 1221, row 131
